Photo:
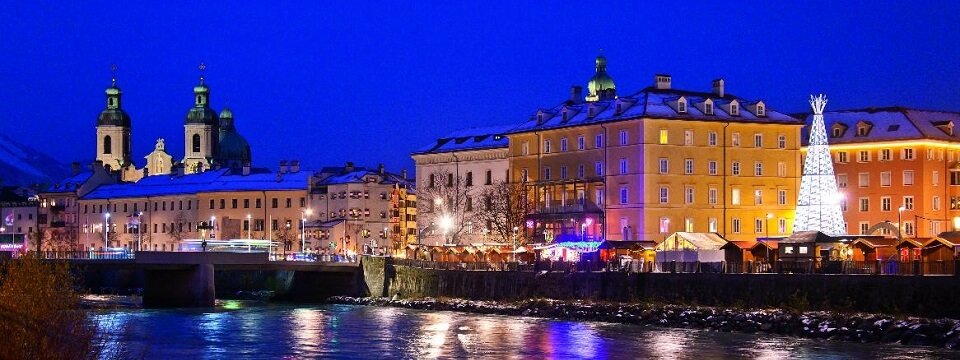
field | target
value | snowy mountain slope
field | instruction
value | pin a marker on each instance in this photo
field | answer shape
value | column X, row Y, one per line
column 23, row 165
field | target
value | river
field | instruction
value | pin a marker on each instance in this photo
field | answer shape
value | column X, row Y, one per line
column 241, row 330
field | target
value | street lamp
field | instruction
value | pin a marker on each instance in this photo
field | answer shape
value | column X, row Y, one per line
column 249, row 227
column 303, row 228
column 766, row 224
column 140, row 230
column 446, row 222
column 900, row 223
column 515, row 229
column 213, row 227
column 106, row 230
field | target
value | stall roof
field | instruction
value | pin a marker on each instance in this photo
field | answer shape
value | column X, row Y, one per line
column 877, row 241
column 627, row 244
column 772, row 244
column 702, row 241
column 742, row 244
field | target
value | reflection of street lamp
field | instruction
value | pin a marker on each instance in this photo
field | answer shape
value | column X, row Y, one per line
column 106, row 230
column 900, row 223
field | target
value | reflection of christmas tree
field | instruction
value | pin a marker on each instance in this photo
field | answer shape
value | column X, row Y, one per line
column 818, row 205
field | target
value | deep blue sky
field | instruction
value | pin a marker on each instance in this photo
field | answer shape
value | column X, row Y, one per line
column 370, row 82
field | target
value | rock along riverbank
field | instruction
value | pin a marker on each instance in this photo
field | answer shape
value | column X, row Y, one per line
column 812, row 324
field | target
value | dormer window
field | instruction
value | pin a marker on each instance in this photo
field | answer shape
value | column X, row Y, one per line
column 861, row 131
column 708, row 107
column 734, row 108
column 863, row 128
column 682, row 105
column 540, row 117
column 837, row 132
column 566, row 114
column 838, row 129
column 761, row 109
column 945, row 126
column 619, row 107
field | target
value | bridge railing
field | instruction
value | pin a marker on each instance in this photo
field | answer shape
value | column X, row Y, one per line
column 85, row 255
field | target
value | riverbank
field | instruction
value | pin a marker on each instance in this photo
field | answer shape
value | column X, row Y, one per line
column 861, row 328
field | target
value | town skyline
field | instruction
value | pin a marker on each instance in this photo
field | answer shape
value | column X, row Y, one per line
column 441, row 73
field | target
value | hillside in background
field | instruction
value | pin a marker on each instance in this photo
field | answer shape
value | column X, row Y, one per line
column 23, row 165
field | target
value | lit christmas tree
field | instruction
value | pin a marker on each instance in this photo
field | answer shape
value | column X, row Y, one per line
column 818, row 205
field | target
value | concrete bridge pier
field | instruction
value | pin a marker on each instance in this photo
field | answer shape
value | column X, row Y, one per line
column 190, row 286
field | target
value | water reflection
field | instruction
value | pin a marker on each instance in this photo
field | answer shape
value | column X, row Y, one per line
column 287, row 332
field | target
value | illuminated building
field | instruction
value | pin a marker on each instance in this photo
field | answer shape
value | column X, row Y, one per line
column 890, row 158
column 654, row 162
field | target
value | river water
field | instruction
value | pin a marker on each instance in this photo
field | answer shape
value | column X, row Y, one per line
column 239, row 330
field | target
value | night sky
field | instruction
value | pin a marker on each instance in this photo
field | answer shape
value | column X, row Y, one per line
column 370, row 82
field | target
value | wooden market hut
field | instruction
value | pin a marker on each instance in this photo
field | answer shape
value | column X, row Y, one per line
column 909, row 250
column 639, row 250
column 874, row 248
column 470, row 254
column 765, row 251
column 738, row 252
column 939, row 249
column 494, row 255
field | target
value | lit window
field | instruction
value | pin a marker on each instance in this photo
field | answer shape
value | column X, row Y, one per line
column 663, row 136
column 735, row 196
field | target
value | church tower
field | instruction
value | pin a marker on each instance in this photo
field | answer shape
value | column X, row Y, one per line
column 600, row 86
column 113, row 132
column 201, row 131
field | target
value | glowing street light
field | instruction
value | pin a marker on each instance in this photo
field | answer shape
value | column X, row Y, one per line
column 303, row 228
column 249, row 227
column 900, row 223
column 106, row 230
column 213, row 220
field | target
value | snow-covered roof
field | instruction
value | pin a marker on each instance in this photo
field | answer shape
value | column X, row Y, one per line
column 359, row 175
column 649, row 103
column 888, row 124
column 71, row 183
column 469, row 139
column 701, row 241
column 222, row 180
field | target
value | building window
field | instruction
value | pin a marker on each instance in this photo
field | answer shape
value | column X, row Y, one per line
column 758, row 197
column 907, row 177
column 863, row 156
column 107, row 145
column 664, row 225
column 712, row 138
column 935, row 178
column 712, row 196
column 664, row 165
column 884, row 154
column 664, row 194
column 863, row 179
column 908, row 202
column 712, row 167
column 735, row 139
column 546, row 146
column 546, row 173
column 781, row 197
column 908, row 228
column 734, row 109
column 598, row 168
column 935, row 204
column 563, row 172
column 842, row 157
column 688, row 195
column 688, row 224
column 581, row 144
column 758, row 168
column 682, row 106
column 688, row 166
column 623, row 195
column 688, row 137
column 708, row 108
column 275, row 203
column 841, row 180
column 623, row 166
column 781, row 141
column 233, row 203
column 223, row 204
column 735, row 225
column 758, row 140
column 885, row 178
column 781, row 226
column 664, row 136
column 712, row 224
column 598, row 141
column 908, row 154
column 469, row 178
column 954, row 177
column 735, row 196
column 864, row 204
column 758, row 226
column 196, row 143
column 525, row 148
column 886, row 204
column 782, row 169
column 735, row 168
column 580, row 171
column 563, row 144
column 258, row 204
column 623, row 137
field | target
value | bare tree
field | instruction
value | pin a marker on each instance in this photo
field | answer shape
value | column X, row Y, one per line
column 176, row 230
column 442, row 205
column 502, row 207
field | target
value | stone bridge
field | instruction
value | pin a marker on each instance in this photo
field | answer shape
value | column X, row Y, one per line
column 186, row 279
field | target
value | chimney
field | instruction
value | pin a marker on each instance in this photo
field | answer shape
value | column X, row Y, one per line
column 283, row 167
column 718, row 87
column 75, row 167
column 294, row 166
column 246, row 168
column 662, row 81
column 380, row 169
column 576, row 94
column 349, row 167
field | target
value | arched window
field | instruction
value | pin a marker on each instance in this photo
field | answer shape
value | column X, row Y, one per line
column 107, row 145
column 126, row 143
column 196, row 143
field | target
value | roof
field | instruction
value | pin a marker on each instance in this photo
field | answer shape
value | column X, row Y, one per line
column 469, row 139
column 649, row 103
column 888, row 124
column 222, row 180
column 627, row 244
column 742, row 244
column 877, row 241
column 702, row 241
column 809, row 236
column 358, row 176
column 910, row 242
column 70, row 184
column 772, row 244
column 948, row 238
